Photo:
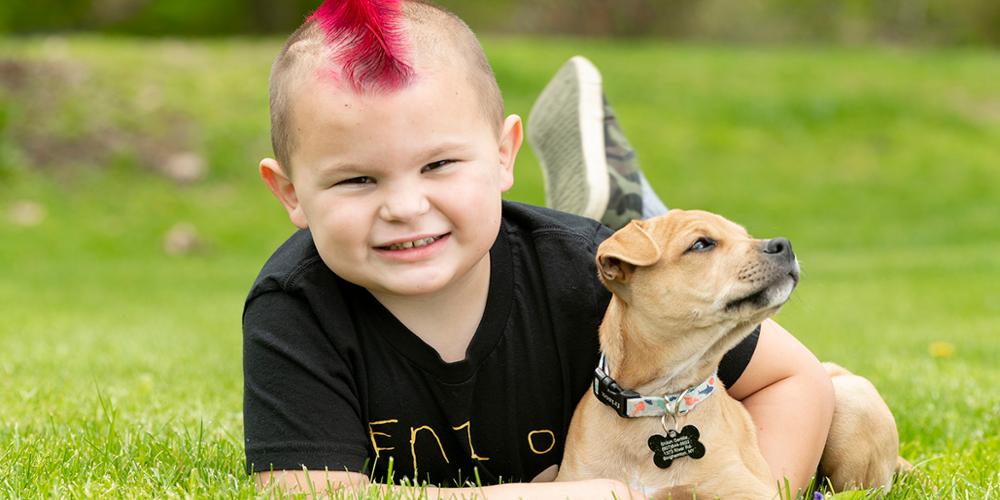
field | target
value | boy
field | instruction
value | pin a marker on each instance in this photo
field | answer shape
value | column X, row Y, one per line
column 417, row 324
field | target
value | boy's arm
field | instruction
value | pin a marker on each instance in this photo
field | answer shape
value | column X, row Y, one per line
column 790, row 398
column 355, row 485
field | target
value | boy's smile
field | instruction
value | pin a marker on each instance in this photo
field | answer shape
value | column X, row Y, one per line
column 401, row 190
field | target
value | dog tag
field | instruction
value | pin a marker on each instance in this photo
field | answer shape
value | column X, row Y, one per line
column 676, row 445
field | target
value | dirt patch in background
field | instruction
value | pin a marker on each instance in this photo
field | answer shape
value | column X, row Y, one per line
column 58, row 117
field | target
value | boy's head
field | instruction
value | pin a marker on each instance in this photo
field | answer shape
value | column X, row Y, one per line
column 424, row 35
column 390, row 144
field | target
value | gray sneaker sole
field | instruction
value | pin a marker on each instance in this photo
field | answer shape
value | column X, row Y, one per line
column 566, row 132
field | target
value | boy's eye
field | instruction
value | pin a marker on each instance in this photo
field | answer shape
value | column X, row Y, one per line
column 436, row 165
column 701, row 245
column 364, row 179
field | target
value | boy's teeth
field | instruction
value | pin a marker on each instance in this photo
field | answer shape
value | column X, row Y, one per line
column 411, row 244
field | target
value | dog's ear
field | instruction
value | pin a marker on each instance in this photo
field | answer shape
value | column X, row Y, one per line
column 630, row 247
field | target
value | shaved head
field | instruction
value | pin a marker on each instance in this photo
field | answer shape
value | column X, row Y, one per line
column 431, row 37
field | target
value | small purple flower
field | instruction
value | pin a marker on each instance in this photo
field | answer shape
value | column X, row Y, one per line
column 817, row 495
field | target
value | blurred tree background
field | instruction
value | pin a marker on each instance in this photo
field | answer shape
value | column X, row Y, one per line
column 938, row 22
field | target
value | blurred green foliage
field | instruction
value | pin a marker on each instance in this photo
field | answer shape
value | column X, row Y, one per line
column 174, row 17
column 846, row 21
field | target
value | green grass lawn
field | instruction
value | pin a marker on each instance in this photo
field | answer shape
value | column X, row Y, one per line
column 120, row 370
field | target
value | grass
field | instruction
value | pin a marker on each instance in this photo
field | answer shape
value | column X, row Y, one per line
column 120, row 370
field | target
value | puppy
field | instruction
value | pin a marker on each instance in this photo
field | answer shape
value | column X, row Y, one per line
column 687, row 287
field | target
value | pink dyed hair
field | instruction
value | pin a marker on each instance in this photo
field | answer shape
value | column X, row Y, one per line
column 367, row 42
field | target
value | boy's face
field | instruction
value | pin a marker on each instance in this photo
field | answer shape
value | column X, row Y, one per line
column 401, row 190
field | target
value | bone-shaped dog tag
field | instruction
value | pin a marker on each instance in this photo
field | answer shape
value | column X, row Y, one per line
column 676, row 445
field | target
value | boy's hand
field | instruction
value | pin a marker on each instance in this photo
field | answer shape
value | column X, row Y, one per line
column 597, row 489
column 790, row 398
column 352, row 484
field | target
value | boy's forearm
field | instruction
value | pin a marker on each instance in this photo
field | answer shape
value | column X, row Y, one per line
column 594, row 488
column 334, row 484
column 790, row 399
column 792, row 435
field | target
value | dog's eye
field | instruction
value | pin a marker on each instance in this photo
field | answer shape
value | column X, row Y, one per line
column 701, row 245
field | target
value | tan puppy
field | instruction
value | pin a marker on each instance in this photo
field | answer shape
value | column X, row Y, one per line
column 689, row 286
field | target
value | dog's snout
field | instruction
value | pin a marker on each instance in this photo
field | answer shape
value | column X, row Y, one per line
column 779, row 247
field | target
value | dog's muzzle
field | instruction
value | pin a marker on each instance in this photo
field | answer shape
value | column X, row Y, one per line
column 774, row 275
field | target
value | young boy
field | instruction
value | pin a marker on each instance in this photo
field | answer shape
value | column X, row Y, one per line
column 418, row 327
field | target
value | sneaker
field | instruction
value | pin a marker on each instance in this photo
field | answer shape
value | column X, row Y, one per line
column 588, row 166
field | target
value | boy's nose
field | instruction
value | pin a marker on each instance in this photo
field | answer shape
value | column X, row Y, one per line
column 403, row 204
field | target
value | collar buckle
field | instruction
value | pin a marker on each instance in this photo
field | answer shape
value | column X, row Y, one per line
column 610, row 393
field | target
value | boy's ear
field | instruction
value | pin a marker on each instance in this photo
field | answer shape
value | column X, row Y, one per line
column 283, row 189
column 511, row 138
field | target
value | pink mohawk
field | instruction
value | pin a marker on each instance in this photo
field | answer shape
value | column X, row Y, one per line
column 366, row 40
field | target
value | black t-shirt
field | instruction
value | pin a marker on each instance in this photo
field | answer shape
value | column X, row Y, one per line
column 333, row 380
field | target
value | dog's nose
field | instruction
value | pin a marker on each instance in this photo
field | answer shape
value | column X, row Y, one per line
column 779, row 247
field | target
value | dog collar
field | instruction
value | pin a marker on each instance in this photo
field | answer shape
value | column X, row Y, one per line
column 631, row 404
